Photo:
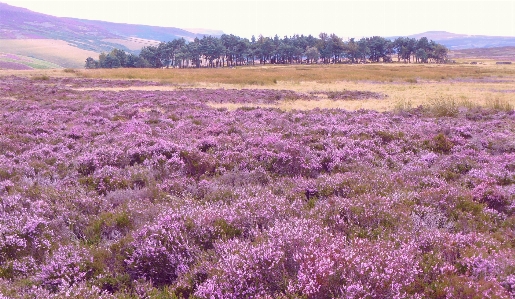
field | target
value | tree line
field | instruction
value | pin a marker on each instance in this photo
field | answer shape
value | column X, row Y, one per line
column 230, row 50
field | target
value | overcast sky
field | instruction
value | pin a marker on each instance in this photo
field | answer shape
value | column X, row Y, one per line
column 346, row 18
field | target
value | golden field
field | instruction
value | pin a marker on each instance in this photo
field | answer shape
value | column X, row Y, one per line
column 54, row 51
column 403, row 85
column 272, row 74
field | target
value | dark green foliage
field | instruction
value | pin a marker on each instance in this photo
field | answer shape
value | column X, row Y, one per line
column 439, row 144
column 231, row 51
column 197, row 163
column 108, row 226
column 91, row 63
column 225, row 230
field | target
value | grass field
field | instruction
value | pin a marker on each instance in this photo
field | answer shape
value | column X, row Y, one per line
column 403, row 86
column 270, row 75
column 55, row 52
column 21, row 62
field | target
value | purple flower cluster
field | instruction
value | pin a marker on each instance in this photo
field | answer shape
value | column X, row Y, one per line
column 154, row 193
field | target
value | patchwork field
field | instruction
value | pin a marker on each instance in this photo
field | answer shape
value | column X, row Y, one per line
column 19, row 62
column 55, row 53
column 364, row 181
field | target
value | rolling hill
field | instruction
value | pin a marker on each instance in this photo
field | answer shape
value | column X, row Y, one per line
column 455, row 41
column 67, row 41
column 498, row 53
column 462, row 46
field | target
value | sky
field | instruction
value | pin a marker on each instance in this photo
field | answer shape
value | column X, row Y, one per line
column 346, row 18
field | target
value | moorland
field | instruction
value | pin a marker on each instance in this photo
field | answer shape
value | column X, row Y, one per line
column 302, row 181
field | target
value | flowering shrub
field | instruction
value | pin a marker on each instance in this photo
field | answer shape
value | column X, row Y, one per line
column 162, row 252
column 24, row 239
column 155, row 193
column 492, row 195
column 66, row 267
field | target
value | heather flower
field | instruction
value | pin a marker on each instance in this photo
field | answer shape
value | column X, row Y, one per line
column 162, row 252
column 66, row 267
column 254, row 202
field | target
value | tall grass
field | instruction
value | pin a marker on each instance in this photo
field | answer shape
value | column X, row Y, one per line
column 269, row 75
column 441, row 107
column 41, row 78
column 448, row 106
column 499, row 104
column 403, row 105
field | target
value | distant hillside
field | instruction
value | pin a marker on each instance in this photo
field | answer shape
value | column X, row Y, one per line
column 462, row 41
column 57, row 53
column 141, row 31
column 19, row 26
column 498, row 53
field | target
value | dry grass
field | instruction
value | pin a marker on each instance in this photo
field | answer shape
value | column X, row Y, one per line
column 405, row 86
column 309, row 105
column 40, row 72
column 141, row 88
column 271, row 75
column 439, row 95
column 500, row 104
